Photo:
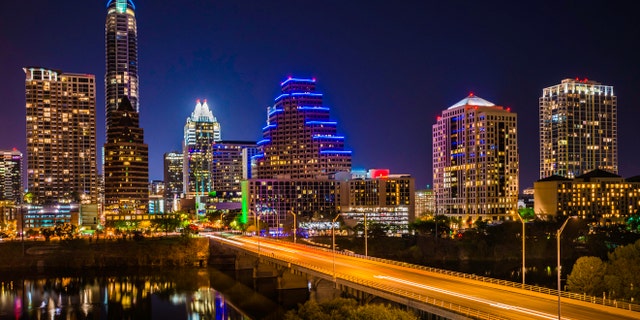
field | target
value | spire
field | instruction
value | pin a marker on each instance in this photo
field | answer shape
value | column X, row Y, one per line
column 202, row 113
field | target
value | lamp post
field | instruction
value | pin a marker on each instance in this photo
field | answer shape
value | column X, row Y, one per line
column 559, row 266
column 366, row 236
column 295, row 225
column 524, row 270
column 333, row 246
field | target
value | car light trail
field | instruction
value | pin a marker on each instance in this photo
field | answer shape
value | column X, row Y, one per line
column 468, row 297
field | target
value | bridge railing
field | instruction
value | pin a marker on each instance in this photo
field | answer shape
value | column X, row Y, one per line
column 565, row 294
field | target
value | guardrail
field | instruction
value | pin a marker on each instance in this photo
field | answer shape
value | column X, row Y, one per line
column 565, row 294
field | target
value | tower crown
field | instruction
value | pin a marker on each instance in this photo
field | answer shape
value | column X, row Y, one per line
column 121, row 5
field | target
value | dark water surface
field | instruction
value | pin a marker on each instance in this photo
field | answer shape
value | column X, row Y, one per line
column 181, row 293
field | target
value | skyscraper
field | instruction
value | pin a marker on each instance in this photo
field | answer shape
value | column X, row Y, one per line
column 121, row 43
column 173, row 179
column 578, row 129
column 126, row 164
column 126, row 159
column 231, row 164
column 61, row 136
column 475, row 161
column 11, row 176
column 201, row 130
column 299, row 140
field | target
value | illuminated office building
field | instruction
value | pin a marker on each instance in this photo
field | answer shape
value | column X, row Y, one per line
column 381, row 197
column 578, row 129
column 597, row 195
column 126, row 164
column 173, row 180
column 121, row 46
column 201, row 131
column 11, row 176
column 425, row 202
column 231, row 164
column 300, row 140
column 61, row 136
column 475, row 161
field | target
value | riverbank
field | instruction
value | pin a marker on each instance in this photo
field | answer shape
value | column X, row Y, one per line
column 84, row 253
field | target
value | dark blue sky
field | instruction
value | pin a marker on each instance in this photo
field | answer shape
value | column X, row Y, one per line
column 387, row 68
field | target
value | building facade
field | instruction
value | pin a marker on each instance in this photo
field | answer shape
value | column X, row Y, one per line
column 379, row 198
column 597, row 195
column 173, row 180
column 121, row 51
column 425, row 202
column 578, row 128
column 231, row 164
column 126, row 164
column 475, row 161
column 61, row 136
column 201, row 131
column 11, row 176
column 300, row 140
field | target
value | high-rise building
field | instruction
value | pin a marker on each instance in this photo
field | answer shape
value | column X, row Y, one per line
column 231, row 164
column 299, row 140
column 201, row 130
column 61, row 136
column 578, row 129
column 475, row 161
column 173, row 180
column 126, row 164
column 121, row 44
column 11, row 176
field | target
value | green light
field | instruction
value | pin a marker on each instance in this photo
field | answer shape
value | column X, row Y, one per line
column 121, row 6
column 244, row 187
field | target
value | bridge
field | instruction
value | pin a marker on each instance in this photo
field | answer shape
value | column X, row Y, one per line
column 447, row 294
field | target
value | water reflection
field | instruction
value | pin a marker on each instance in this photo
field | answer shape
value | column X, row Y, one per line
column 179, row 294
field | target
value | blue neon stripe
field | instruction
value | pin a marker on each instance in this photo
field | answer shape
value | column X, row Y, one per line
column 307, row 94
column 335, row 152
column 297, row 79
column 263, row 141
column 328, row 123
column 274, row 111
column 313, row 108
column 328, row 137
column 270, row 126
column 260, row 155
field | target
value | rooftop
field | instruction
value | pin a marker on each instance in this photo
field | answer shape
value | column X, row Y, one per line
column 473, row 100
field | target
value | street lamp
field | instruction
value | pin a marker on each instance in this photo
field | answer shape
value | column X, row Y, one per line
column 524, row 270
column 295, row 225
column 333, row 241
column 559, row 266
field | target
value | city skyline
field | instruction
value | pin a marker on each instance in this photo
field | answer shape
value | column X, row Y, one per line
column 400, row 64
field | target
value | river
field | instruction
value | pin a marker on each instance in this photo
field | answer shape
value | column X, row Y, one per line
column 181, row 293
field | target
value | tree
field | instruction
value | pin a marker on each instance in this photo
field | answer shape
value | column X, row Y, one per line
column 623, row 272
column 587, row 276
column 342, row 308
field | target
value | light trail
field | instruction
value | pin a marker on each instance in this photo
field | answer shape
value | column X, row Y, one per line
column 530, row 312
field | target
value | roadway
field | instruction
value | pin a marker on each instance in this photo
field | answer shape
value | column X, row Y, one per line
column 502, row 301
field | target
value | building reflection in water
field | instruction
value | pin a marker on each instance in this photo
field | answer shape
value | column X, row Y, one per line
column 175, row 296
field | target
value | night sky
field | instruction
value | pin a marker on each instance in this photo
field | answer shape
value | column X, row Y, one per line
column 386, row 68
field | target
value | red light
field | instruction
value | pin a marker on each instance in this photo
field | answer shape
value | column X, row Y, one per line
column 314, row 79
column 379, row 173
column 438, row 118
column 205, row 100
column 508, row 109
column 15, row 149
column 197, row 100
column 470, row 94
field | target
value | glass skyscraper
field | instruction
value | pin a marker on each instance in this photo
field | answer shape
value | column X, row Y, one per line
column 121, row 43
column 300, row 140
column 578, row 129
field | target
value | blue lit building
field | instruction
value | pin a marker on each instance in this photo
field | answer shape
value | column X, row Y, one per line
column 300, row 140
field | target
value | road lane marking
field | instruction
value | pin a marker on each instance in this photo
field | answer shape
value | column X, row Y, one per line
column 472, row 298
